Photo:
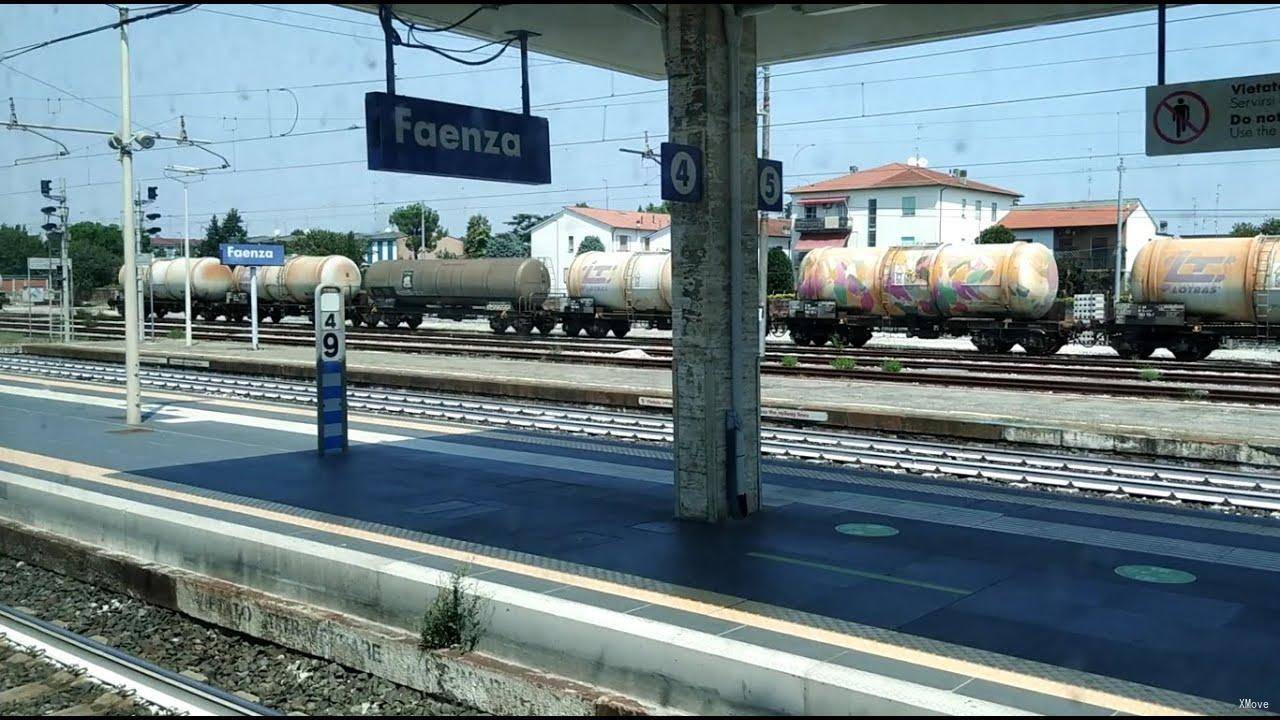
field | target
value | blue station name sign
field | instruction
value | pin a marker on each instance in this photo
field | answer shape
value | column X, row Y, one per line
column 250, row 254
column 427, row 137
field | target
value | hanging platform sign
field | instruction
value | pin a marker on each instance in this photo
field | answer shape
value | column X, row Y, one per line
column 426, row 137
column 1240, row 113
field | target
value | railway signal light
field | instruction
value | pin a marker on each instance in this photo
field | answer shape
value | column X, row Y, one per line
column 49, row 209
column 151, row 192
column 49, row 227
column 46, row 187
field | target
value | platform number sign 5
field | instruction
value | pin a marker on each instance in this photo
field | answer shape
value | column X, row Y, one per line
column 331, row 369
column 681, row 173
column 769, row 178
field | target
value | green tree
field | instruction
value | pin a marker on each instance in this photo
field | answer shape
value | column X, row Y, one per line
column 16, row 245
column 1074, row 278
column 479, row 234
column 664, row 208
column 515, row 242
column 506, row 245
column 230, row 230
column 590, row 243
column 97, row 252
column 409, row 220
column 1270, row 226
column 781, row 278
column 328, row 242
column 996, row 235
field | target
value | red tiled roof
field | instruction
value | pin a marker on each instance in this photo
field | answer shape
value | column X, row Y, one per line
column 624, row 218
column 898, row 175
column 1030, row 218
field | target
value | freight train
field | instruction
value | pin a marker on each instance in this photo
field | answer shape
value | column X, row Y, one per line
column 1186, row 295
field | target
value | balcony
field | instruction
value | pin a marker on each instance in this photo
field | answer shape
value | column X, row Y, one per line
column 831, row 223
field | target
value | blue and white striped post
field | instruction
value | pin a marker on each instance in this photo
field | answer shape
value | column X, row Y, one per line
column 331, row 369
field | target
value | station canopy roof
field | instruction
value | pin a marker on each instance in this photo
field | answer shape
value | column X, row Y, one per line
column 623, row 37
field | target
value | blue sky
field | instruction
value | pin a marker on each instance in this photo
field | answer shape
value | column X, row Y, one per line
column 216, row 64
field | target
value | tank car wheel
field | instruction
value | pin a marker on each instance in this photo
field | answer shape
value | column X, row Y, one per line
column 523, row 326
column 598, row 329
column 620, row 328
column 854, row 337
column 498, row 324
column 820, row 338
column 571, row 328
column 545, row 325
column 1132, row 349
column 1040, row 344
column 1193, row 350
column 277, row 315
column 799, row 337
column 413, row 321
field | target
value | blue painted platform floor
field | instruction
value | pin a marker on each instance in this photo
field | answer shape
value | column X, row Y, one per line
column 1022, row 573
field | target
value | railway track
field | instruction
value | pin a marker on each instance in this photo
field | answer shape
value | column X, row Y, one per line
column 1247, row 491
column 130, row 684
column 1223, row 382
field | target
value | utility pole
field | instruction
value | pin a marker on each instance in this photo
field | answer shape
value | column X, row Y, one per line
column 762, row 220
column 132, row 383
column 66, row 267
column 1119, row 280
column 422, row 227
column 764, row 140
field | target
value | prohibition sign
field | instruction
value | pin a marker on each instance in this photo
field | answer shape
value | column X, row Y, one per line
column 1181, row 117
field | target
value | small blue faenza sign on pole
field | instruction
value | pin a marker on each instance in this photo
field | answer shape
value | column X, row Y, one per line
column 428, row 137
column 250, row 254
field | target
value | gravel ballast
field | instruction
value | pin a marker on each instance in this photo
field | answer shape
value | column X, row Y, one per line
column 275, row 677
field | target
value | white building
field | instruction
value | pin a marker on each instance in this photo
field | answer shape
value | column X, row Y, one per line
column 1084, row 231
column 555, row 241
column 894, row 204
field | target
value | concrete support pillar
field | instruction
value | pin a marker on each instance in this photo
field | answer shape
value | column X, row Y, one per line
column 717, row 373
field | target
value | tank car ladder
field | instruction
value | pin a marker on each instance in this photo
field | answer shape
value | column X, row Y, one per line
column 1262, row 298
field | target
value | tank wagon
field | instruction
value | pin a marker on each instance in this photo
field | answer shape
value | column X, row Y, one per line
column 609, row 291
column 510, row 292
column 220, row 291
column 999, row 295
column 1190, row 294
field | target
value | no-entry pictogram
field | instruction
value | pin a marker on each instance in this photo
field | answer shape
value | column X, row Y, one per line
column 1181, row 117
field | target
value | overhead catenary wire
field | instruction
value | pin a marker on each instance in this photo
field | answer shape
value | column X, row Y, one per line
column 16, row 52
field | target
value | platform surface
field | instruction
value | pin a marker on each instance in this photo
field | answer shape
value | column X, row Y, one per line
column 1019, row 580
column 1105, row 419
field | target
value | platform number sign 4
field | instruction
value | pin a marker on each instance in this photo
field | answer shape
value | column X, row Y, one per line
column 769, row 185
column 331, row 369
column 681, row 173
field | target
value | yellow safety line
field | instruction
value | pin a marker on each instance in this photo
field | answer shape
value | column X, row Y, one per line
column 1045, row 686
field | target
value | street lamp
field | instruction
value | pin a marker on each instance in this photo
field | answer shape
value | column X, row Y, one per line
column 187, row 175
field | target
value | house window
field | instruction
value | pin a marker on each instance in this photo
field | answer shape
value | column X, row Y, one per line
column 993, row 211
column 811, row 211
column 646, row 244
column 623, row 242
column 977, row 210
column 909, row 206
column 908, row 240
column 871, row 222
column 570, row 243
column 964, row 205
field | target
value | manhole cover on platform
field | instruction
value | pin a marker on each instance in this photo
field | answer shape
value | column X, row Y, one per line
column 866, row 530
column 1155, row 574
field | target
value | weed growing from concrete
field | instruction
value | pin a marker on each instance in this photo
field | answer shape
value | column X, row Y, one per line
column 1149, row 374
column 844, row 363
column 455, row 619
column 790, row 361
column 1197, row 393
column 176, row 333
column 891, row 366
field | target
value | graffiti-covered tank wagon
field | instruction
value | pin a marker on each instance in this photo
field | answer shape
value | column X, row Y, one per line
column 929, row 290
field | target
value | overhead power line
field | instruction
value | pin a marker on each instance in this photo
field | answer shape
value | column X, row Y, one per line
column 9, row 55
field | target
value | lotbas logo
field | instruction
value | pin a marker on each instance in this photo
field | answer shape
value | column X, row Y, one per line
column 1184, row 268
